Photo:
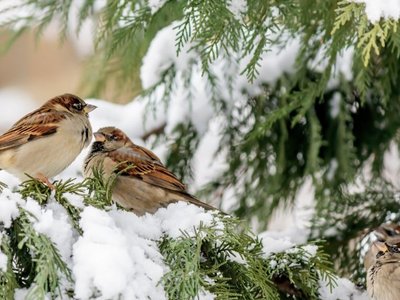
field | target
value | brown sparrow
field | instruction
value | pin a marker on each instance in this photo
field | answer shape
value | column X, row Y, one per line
column 44, row 142
column 389, row 233
column 143, row 184
column 383, row 276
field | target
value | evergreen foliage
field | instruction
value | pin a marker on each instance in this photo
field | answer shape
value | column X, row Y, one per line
column 217, row 258
column 232, row 265
column 284, row 135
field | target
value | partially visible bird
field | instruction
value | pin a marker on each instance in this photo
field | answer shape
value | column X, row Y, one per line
column 143, row 184
column 389, row 233
column 387, row 230
column 46, row 141
column 383, row 277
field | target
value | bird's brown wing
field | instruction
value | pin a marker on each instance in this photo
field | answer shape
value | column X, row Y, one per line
column 130, row 163
column 146, row 153
column 37, row 124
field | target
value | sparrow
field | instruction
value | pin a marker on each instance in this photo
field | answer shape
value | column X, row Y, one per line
column 383, row 276
column 46, row 141
column 389, row 233
column 142, row 183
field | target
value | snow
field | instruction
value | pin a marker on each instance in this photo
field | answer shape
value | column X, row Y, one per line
column 333, row 165
column 206, row 164
column 178, row 217
column 237, row 7
column 54, row 223
column 342, row 66
column 391, row 162
column 126, row 245
column 310, row 249
column 20, row 294
column 278, row 61
column 82, row 39
column 155, row 5
column 272, row 245
column 12, row 10
column 335, row 105
column 345, row 289
column 375, row 10
column 104, row 242
column 293, row 224
column 154, row 64
column 8, row 207
column 234, row 256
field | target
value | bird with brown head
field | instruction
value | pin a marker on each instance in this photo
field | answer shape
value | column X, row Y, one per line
column 46, row 141
column 143, row 184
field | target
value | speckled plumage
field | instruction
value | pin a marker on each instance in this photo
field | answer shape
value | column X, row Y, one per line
column 383, row 277
column 389, row 233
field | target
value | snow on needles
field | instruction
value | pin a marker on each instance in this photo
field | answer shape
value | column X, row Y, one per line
column 113, row 262
column 125, row 244
column 8, row 207
column 375, row 9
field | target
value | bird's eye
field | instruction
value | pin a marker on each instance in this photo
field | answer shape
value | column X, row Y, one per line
column 112, row 137
column 393, row 248
column 78, row 106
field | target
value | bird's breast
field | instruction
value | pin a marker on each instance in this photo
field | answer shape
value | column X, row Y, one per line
column 51, row 154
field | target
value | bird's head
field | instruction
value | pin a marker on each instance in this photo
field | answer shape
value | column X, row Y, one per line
column 111, row 138
column 70, row 103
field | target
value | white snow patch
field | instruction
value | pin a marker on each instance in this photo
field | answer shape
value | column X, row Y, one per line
column 293, row 224
column 155, row 5
column 375, row 10
column 154, row 64
column 54, row 223
column 237, row 7
column 272, row 245
column 335, row 105
column 20, row 294
column 8, row 207
column 310, row 249
column 345, row 290
column 278, row 61
column 332, row 168
column 180, row 216
column 391, row 162
column 207, row 164
column 235, row 257
column 118, row 254
column 342, row 66
column 101, row 257
column 12, row 10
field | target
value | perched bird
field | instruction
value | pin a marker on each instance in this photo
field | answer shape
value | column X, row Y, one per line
column 46, row 141
column 383, row 276
column 389, row 233
column 143, row 184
